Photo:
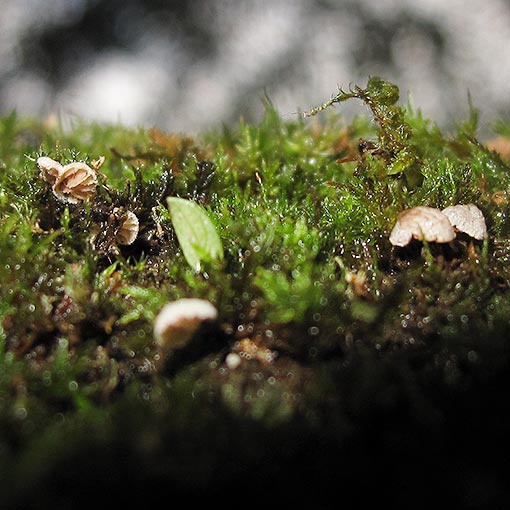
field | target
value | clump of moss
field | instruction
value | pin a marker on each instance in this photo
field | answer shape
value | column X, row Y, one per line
column 332, row 351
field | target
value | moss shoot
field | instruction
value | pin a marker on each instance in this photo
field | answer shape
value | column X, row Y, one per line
column 339, row 365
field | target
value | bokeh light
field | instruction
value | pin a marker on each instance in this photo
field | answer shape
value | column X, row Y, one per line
column 193, row 65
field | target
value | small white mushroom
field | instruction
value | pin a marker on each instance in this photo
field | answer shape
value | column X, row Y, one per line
column 128, row 231
column 422, row 223
column 178, row 321
column 76, row 182
column 468, row 219
column 50, row 169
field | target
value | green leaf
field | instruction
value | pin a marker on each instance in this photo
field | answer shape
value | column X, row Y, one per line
column 195, row 232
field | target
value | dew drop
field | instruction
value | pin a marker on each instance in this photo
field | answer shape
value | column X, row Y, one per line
column 20, row 413
column 233, row 360
column 473, row 356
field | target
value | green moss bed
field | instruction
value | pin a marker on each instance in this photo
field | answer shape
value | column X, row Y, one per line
column 367, row 373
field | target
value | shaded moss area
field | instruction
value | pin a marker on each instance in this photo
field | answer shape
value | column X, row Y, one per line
column 367, row 373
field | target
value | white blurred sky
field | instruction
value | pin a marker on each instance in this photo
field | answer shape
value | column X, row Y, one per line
column 283, row 48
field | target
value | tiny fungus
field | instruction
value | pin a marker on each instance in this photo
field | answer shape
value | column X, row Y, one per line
column 128, row 230
column 76, row 182
column 422, row 223
column 71, row 183
column 468, row 219
column 179, row 320
column 50, row 169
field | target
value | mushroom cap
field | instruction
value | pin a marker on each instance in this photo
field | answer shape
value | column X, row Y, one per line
column 128, row 231
column 422, row 223
column 468, row 219
column 177, row 321
column 50, row 169
column 76, row 182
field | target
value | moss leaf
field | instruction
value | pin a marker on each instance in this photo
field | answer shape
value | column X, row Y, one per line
column 195, row 232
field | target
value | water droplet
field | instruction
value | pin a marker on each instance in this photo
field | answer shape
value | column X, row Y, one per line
column 59, row 417
column 46, row 378
column 20, row 413
column 233, row 360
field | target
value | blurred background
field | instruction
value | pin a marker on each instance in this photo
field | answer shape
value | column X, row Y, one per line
column 193, row 65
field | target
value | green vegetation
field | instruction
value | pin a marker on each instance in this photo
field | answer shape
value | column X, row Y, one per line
column 363, row 368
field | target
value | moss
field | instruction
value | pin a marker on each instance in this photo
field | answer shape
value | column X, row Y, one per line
column 356, row 358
